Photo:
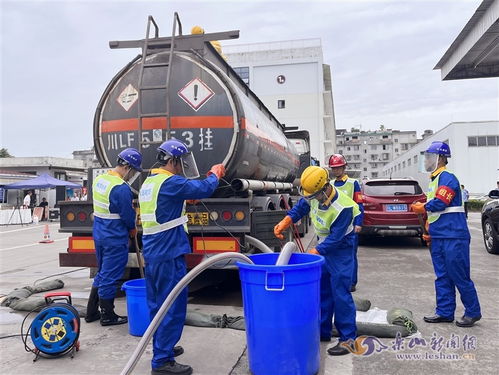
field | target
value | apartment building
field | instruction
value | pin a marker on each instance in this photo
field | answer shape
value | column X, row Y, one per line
column 369, row 151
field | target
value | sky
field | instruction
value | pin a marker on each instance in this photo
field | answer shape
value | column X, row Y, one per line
column 56, row 61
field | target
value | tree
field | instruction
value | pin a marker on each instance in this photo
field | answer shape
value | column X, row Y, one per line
column 4, row 153
column 382, row 127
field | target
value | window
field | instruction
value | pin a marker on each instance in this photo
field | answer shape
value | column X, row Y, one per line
column 384, row 137
column 355, row 137
column 356, row 148
column 396, row 150
column 396, row 140
column 409, row 162
column 403, row 164
column 386, row 156
column 373, row 147
column 374, row 174
column 281, row 104
column 392, row 188
column 340, row 152
column 415, row 159
column 243, row 73
column 405, row 146
column 365, row 151
column 482, row 141
column 375, row 165
column 348, row 148
column 384, row 147
column 365, row 169
column 364, row 160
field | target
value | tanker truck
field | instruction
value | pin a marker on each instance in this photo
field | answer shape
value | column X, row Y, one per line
column 181, row 87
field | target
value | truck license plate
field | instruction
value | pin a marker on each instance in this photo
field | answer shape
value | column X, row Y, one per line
column 396, row 207
column 197, row 218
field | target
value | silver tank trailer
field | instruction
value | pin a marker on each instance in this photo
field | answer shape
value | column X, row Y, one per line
column 210, row 109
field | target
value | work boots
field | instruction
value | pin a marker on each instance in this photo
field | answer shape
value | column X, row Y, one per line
column 93, row 313
column 107, row 315
column 172, row 368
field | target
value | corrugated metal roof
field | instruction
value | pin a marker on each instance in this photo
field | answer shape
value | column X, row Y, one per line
column 475, row 51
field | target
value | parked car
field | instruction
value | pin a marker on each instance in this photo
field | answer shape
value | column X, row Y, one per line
column 387, row 208
column 490, row 223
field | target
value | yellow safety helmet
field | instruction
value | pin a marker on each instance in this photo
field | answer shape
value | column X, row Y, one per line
column 312, row 180
column 197, row 30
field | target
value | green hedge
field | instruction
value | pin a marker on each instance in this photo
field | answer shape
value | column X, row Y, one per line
column 475, row 205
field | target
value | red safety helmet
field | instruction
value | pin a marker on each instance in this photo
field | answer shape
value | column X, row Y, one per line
column 337, row 160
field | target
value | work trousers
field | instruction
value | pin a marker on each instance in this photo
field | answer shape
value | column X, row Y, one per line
column 336, row 298
column 111, row 263
column 161, row 278
column 355, row 262
column 451, row 262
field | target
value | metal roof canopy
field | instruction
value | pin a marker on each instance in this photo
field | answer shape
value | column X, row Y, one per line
column 475, row 52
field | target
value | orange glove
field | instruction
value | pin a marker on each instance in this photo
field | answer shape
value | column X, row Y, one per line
column 282, row 226
column 418, row 208
column 313, row 251
column 192, row 201
column 132, row 233
column 427, row 239
column 218, row 170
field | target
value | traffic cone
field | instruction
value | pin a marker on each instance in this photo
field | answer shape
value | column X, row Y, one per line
column 46, row 235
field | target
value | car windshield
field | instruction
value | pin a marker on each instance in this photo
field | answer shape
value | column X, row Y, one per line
column 392, row 188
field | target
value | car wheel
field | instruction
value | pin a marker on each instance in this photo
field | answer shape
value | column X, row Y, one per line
column 489, row 237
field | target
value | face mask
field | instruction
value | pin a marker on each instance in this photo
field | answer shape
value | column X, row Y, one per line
column 429, row 162
column 189, row 166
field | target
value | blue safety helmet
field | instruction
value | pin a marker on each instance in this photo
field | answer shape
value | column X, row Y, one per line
column 440, row 148
column 130, row 157
column 172, row 148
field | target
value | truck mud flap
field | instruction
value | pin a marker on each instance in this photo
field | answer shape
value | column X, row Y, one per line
column 262, row 226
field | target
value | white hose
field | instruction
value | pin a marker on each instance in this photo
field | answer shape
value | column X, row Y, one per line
column 288, row 249
column 258, row 244
column 139, row 350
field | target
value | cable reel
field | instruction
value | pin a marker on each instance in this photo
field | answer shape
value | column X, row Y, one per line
column 56, row 328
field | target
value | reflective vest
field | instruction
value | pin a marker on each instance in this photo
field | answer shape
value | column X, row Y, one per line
column 324, row 219
column 101, row 188
column 432, row 191
column 148, row 200
column 347, row 188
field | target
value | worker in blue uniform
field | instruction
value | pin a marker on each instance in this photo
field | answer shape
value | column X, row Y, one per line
column 162, row 199
column 450, row 240
column 114, row 222
column 351, row 188
column 332, row 214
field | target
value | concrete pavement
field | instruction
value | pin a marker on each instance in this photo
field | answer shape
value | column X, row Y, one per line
column 394, row 272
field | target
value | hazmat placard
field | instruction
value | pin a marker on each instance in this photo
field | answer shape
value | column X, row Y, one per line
column 128, row 97
column 196, row 93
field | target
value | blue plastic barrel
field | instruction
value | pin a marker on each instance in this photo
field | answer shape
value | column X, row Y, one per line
column 282, row 314
column 136, row 304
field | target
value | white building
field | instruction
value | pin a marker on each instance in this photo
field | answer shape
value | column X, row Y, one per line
column 61, row 168
column 475, row 156
column 291, row 79
column 369, row 151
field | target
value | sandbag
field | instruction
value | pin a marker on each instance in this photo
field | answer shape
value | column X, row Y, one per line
column 378, row 330
column 361, row 304
column 198, row 319
column 26, row 291
column 402, row 317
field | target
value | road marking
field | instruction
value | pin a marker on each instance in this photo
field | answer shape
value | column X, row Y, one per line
column 22, row 229
column 33, row 244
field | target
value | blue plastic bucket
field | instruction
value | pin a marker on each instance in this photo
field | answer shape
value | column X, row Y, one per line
column 136, row 304
column 282, row 314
